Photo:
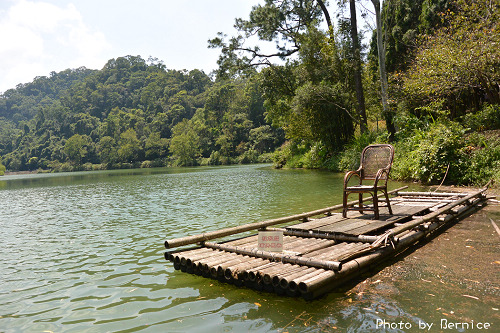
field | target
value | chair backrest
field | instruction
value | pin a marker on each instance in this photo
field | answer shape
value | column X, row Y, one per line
column 375, row 157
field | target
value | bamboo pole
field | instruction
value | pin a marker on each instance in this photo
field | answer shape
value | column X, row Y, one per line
column 277, row 256
column 293, row 284
column 336, row 247
column 257, row 225
column 324, row 235
column 177, row 257
column 234, row 271
column 242, row 241
column 272, row 269
column 410, row 225
column 196, row 263
column 244, row 270
column 431, row 194
column 284, row 280
column 309, row 246
column 169, row 254
column 188, row 260
column 349, row 252
column 315, row 287
column 275, row 279
column 216, row 269
column 223, row 266
column 207, row 263
column 251, row 274
column 268, row 274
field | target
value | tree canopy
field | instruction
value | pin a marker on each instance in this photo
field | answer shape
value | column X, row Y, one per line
column 130, row 111
column 431, row 76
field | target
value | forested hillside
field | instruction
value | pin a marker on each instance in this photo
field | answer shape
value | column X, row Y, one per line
column 131, row 113
column 429, row 83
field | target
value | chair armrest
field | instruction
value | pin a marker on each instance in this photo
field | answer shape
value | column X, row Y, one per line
column 348, row 176
column 379, row 175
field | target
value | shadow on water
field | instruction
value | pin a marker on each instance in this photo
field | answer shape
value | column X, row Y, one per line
column 14, row 181
column 83, row 252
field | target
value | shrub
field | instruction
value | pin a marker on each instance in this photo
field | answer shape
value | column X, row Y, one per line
column 265, row 158
column 428, row 155
column 487, row 118
column 249, row 156
column 282, row 155
column 349, row 159
column 482, row 160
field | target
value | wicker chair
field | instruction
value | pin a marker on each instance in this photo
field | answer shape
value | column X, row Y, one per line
column 376, row 163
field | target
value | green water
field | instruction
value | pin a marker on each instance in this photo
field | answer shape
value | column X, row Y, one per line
column 83, row 252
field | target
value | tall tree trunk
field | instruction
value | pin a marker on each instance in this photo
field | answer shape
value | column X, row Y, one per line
column 358, row 83
column 383, row 73
column 326, row 14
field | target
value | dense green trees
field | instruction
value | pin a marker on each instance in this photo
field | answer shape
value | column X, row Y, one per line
column 436, row 64
column 459, row 63
column 313, row 94
column 441, row 83
column 130, row 111
column 444, row 73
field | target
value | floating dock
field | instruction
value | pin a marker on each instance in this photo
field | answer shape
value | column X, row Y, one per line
column 321, row 249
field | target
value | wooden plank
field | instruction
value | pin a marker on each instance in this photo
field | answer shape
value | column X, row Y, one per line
column 254, row 226
column 412, row 209
column 345, row 226
column 337, row 224
column 428, row 217
column 338, row 253
column 360, row 226
column 317, row 222
column 400, row 216
column 433, row 194
column 377, row 225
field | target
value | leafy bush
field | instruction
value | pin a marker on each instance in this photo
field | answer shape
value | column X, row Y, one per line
column 300, row 155
column 249, row 156
column 487, row 118
column 482, row 156
column 428, row 156
column 282, row 155
column 266, row 158
column 349, row 159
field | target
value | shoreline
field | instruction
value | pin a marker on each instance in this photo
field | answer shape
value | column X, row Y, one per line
column 13, row 173
column 493, row 190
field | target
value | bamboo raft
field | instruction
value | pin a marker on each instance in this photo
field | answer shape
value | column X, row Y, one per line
column 321, row 249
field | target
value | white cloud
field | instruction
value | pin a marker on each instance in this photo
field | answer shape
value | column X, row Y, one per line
column 38, row 37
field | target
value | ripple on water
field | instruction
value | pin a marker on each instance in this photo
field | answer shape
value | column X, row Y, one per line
column 84, row 253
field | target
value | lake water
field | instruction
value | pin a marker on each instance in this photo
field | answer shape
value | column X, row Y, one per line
column 83, row 252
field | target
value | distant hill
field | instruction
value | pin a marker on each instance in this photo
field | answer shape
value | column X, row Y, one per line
column 125, row 114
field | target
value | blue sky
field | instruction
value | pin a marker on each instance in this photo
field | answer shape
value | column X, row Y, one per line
column 41, row 36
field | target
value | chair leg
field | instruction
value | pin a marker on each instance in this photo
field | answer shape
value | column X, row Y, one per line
column 360, row 202
column 344, row 203
column 375, row 205
column 388, row 202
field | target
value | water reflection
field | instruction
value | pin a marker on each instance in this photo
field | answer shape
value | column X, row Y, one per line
column 84, row 252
